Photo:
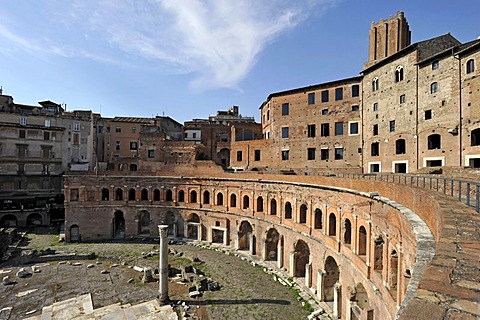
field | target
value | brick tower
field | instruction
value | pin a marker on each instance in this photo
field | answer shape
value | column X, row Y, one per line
column 387, row 37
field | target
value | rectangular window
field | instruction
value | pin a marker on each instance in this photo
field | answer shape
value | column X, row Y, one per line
column 285, row 132
column 46, row 135
column 47, row 123
column 435, row 65
column 151, row 153
column 374, row 167
column 355, row 90
column 239, row 156
column 338, row 128
column 375, row 149
column 134, row 129
column 311, row 153
column 23, row 121
column 324, row 154
column 311, row 98
column 46, row 151
column 324, row 129
column 311, row 130
column 21, row 134
column 428, row 114
column 257, row 155
column 324, row 112
column 76, row 139
column 392, row 126
column 353, row 128
column 285, row 109
column 118, row 129
column 22, row 150
column 375, row 106
column 402, row 99
column 133, row 145
column 338, row 94
column 325, row 96
column 76, row 126
column 285, row 154
column 338, row 153
column 375, row 129
column 117, row 145
column 355, row 108
column 73, row 194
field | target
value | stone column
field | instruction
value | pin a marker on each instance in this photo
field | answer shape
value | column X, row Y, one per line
column 320, row 275
column 199, row 232
column 237, row 240
column 163, row 265
column 292, row 263
column 251, row 243
column 225, row 237
column 308, row 275
column 337, row 296
column 264, row 249
column 280, row 254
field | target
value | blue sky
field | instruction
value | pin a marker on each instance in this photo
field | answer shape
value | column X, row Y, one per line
column 188, row 59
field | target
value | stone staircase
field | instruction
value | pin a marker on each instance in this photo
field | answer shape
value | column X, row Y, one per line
column 81, row 308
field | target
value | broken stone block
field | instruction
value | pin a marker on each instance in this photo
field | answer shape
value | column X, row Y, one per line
column 147, row 275
column 104, row 271
column 130, row 280
column 22, row 273
column 90, row 266
column 195, row 294
column 6, row 280
column 139, row 269
column 213, row 286
column 35, row 269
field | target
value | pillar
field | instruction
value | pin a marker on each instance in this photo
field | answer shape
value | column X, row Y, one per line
column 292, row 264
column 163, row 265
column 251, row 243
column 237, row 240
column 225, row 237
column 199, row 232
column 308, row 275
column 320, row 290
column 264, row 249
column 280, row 254
column 337, row 296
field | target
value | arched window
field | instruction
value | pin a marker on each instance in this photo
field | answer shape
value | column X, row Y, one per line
column 400, row 146
column 193, row 196
column 475, row 137
column 246, row 202
column 399, row 74
column 375, row 84
column 206, row 197
column 303, row 213
column 318, row 219
column 156, row 195
column 144, row 195
column 434, row 87
column 219, row 199
column 347, row 236
column 378, row 254
column 181, row 196
column 105, row 194
column 288, row 210
column 133, row 167
column 470, row 66
column 260, row 204
column 362, row 241
column 119, row 194
column 434, row 141
column 169, row 195
column 131, row 194
column 332, row 224
column 273, row 207
column 233, row 200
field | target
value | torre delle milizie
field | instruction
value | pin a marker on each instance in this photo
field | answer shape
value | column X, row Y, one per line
column 352, row 186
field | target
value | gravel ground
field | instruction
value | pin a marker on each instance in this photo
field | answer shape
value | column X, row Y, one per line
column 246, row 291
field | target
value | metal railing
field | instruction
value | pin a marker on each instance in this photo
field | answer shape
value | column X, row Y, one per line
column 465, row 191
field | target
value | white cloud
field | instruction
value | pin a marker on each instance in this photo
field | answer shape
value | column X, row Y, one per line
column 217, row 41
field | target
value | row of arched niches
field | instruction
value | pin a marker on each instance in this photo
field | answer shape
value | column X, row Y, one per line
column 353, row 250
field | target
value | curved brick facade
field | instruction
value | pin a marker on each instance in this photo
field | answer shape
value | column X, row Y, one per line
column 361, row 251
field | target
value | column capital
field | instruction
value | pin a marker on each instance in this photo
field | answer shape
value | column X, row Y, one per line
column 163, row 230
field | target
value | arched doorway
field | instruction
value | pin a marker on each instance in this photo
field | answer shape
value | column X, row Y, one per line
column 244, row 235
column 378, row 255
column 172, row 224
column 34, row 219
column 332, row 275
column 271, row 245
column 8, row 220
column 302, row 258
column 74, row 233
column 347, row 236
column 144, row 223
column 362, row 241
column 118, row 225
column 193, row 224
column 358, row 302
